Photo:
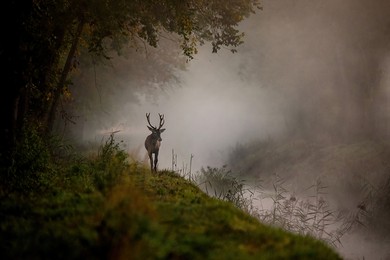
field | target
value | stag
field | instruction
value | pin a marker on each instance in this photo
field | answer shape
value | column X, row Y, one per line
column 153, row 141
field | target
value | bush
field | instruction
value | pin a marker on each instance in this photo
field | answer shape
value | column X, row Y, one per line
column 28, row 166
column 109, row 165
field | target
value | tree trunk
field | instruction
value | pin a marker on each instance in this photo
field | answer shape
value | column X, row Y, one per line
column 13, row 66
column 52, row 111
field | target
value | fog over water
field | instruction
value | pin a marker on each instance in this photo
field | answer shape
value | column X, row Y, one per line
column 308, row 69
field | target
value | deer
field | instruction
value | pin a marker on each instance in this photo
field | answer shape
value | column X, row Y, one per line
column 153, row 141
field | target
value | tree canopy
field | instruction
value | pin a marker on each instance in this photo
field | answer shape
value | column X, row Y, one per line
column 42, row 41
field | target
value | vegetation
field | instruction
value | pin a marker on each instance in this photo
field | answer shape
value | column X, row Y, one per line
column 220, row 183
column 45, row 41
column 107, row 206
column 377, row 204
column 346, row 185
column 311, row 216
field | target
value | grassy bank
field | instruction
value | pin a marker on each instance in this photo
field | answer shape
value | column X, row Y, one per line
column 104, row 207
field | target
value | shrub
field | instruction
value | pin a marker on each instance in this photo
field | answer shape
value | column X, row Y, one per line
column 110, row 164
column 25, row 168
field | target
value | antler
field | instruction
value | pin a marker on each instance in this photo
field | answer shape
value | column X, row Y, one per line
column 162, row 121
column 148, row 118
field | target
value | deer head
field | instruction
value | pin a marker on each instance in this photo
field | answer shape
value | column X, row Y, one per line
column 153, row 141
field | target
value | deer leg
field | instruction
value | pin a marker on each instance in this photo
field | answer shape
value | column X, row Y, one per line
column 155, row 161
column 151, row 161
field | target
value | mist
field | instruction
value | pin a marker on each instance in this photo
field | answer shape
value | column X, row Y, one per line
column 308, row 70
column 211, row 112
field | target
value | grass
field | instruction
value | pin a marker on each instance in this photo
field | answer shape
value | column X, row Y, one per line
column 311, row 215
column 105, row 207
column 355, row 202
column 200, row 227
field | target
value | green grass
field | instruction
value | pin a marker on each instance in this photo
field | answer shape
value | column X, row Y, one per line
column 200, row 227
column 103, row 207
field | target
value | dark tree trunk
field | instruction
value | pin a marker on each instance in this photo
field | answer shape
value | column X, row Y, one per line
column 14, row 63
column 52, row 111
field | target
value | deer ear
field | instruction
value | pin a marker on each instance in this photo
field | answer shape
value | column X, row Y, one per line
column 151, row 129
column 162, row 130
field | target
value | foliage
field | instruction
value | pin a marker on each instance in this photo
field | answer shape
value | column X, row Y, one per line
column 137, row 215
column 110, row 164
column 46, row 39
column 23, row 169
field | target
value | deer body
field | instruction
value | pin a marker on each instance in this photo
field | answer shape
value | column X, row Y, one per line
column 153, row 141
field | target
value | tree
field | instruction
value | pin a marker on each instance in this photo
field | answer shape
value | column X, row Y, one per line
column 43, row 39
